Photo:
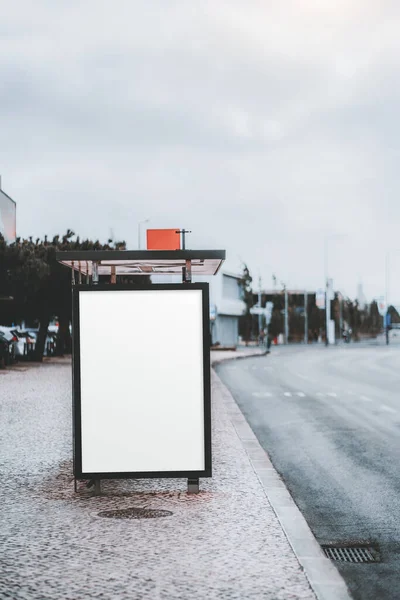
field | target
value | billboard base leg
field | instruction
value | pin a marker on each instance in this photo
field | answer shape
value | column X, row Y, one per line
column 97, row 487
column 193, row 486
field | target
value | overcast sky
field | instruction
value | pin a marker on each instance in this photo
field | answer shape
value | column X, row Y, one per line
column 264, row 127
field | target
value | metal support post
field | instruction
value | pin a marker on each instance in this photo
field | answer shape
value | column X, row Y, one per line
column 305, row 318
column 95, row 272
column 187, row 272
column 97, row 487
column 193, row 486
column 113, row 275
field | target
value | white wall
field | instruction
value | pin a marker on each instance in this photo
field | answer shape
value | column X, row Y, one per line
column 7, row 217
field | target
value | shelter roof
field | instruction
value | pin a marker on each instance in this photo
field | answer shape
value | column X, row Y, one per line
column 143, row 262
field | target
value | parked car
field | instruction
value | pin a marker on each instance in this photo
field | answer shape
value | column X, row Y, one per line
column 4, row 351
column 27, row 342
column 12, row 341
column 20, row 343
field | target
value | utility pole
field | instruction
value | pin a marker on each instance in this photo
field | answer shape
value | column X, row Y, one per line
column 385, row 318
column 385, row 323
column 306, row 318
column 328, row 282
column 327, row 313
column 259, row 305
column 329, row 286
column 286, row 317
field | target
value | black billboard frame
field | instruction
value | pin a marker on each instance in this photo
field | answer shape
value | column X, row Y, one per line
column 192, row 476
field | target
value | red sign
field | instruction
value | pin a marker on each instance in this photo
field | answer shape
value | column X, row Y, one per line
column 163, row 239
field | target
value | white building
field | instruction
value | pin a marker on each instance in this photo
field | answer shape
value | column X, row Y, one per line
column 7, row 217
column 226, row 306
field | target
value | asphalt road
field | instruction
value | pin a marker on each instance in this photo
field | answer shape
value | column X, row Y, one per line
column 330, row 420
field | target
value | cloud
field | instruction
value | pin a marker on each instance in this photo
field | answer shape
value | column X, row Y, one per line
column 261, row 126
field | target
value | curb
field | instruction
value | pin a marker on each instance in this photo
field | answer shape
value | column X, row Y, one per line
column 324, row 578
column 238, row 357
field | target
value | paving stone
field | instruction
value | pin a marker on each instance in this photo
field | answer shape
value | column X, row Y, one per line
column 225, row 543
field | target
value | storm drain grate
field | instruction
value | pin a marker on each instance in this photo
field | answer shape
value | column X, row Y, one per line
column 135, row 513
column 353, row 554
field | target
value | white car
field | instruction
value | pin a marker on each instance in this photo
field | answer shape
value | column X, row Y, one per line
column 12, row 339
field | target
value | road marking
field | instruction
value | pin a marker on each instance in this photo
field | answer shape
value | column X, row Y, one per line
column 262, row 394
column 388, row 409
column 288, row 394
column 306, row 378
column 332, row 394
column 365, row 398
column 301, row 394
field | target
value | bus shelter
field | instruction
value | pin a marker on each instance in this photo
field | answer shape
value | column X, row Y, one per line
column 141, row 365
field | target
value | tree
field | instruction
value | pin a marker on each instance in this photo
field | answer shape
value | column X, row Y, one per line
column 41, row 286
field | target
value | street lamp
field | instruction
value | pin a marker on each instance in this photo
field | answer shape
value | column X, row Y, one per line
column 328, row 238
column 139, row 224
column 286, row 312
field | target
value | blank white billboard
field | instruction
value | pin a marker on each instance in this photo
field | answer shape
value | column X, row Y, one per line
column 141, row 380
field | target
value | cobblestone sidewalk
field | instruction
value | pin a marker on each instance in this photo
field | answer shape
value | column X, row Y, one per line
column 225, row 543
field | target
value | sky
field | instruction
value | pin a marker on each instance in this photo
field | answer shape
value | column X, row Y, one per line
column 269, row 129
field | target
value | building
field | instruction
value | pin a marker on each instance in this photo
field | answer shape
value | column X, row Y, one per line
column 7, row 217
column 226, row 307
